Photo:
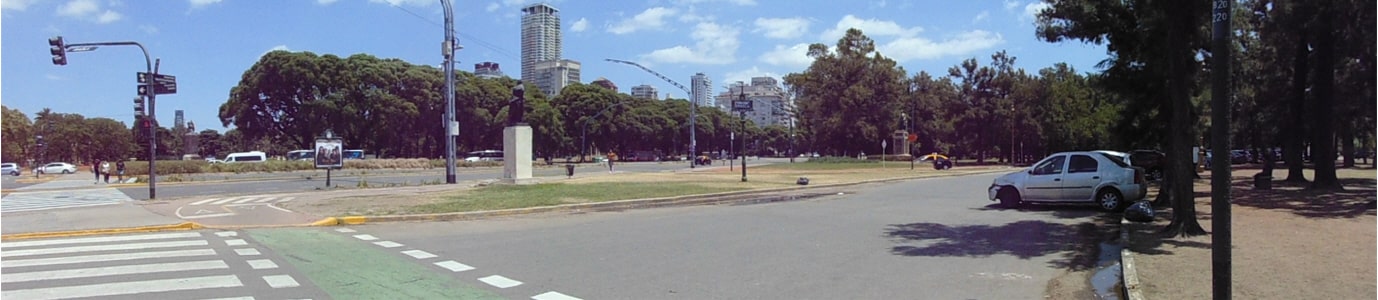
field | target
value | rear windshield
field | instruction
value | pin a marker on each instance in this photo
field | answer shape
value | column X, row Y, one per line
column 1118, row 160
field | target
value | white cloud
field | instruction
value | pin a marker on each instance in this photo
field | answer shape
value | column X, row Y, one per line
column 580, row 25
column 981, row 17
column 713, row 45
column 275, row 48
column 878, row 4
column 1010, row 5
column 1031, row 11
column 794, row 57
column 492, row 7
column 406, row 2
column 109, row 16
column 905, row 49
column 651, row 18
column 782, row 28
column 871, row 27
column 737, row 2
column 19, row 5
column 89, row 10
column 149, row 29
column 325, row 2
column 78, row 8
column 195, row 4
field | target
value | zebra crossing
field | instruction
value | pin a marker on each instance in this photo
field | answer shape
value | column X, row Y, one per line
column 243, row 200
column 171, row 265
column 44, row 200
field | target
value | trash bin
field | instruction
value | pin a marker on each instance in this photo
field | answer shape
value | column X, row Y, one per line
column 1263, row 181
column 569, row 170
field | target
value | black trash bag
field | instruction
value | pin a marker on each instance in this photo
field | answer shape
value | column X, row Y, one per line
column 802, row 181
column 1141, row 211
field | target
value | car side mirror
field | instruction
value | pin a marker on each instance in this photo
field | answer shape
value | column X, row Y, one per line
column 1030, row 171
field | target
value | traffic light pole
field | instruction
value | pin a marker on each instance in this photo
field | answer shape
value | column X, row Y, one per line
column 153, row 133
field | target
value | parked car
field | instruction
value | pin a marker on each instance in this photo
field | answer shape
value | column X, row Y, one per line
column 1100, row 177
column 1240, row 157
column 58, row 167
column 9, row 168
column 485, row 155
column 1152, row 161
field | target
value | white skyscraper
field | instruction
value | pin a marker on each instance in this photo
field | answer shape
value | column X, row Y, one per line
column 540, row 37
column 703, row 90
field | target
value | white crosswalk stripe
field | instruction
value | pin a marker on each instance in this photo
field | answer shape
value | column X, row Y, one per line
column 242, row 200
column 32, row 201
column 157, row 264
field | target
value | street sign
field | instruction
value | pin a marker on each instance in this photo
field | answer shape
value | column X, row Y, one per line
column 742, row 105
column 913, row 137
column 162, row 84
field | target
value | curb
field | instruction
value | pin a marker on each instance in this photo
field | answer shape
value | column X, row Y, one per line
column 72, row 233
column 1130, row 274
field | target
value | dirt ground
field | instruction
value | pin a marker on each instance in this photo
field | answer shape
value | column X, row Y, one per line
column 1288, row 243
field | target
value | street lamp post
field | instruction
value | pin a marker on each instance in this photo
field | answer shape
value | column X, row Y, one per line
column 742, row 89
column 451, row 127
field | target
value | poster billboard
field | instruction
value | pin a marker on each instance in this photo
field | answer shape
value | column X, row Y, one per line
column 329, row 153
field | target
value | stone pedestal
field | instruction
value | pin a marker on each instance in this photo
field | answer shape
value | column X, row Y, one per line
column 516, row 155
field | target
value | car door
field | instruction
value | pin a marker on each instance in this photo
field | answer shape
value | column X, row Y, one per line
column 1045, row 179
column 1083, row 175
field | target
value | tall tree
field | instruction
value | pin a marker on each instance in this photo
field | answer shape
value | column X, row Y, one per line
column 849, row 97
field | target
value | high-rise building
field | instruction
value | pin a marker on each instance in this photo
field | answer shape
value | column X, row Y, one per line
column 605, row 83
column 703, row 89
column 551, row 76
column 487, row 69
column 645, row 91
column 540, row 37
column 769, row 105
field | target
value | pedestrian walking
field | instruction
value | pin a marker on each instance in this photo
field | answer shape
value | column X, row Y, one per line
column 119, row 167
column 95, row 168
column 612, row 156
column 105, row 169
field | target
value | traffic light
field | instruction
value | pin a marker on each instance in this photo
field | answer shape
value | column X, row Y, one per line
column 138, row 106
column 59, row 50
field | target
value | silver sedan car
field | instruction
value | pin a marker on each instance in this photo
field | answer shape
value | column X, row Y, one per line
column 57, row 168
column 1104, row 178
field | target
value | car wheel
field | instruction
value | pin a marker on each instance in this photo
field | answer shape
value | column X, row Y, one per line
column 1110, row 200
column 66, row 172
column 1009, row 197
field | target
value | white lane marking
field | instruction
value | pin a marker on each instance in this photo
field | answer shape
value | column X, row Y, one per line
column 418, row 254
column 236, row 242
column 234, row 298
column 553, row 296
column 366, row 237
column 270, row 205
column 15, row 207
column 116, row 270
column 227, row 233
column 223, row 201
column 500, row 282
column 103, row 258
column 265, row 200
column 345, row 230
column 203, row 201
column 388, row 244
column 249, row 199
column 121, row 238
column 259, row 264
column 281, row 281
column 247, row 251
column 208, row 216
column 454, row 266
column 285, row 199
column 124, row 288
column 140, row 246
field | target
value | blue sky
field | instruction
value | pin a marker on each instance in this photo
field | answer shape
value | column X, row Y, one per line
column 208, row 44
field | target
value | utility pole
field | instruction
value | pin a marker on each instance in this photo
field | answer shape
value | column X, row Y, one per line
column 447, row 49
column 1220, row 141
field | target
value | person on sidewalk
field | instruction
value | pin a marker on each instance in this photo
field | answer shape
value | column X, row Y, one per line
column 119, row 167
column 105, row 169
column 612, row 156
column 95, row 168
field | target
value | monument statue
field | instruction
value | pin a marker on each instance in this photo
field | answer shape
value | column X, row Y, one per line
column 516, row 108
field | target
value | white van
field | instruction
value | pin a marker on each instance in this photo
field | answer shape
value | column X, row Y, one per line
column 251, row 156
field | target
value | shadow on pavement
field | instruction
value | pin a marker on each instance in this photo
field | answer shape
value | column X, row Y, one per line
column 1023, row 239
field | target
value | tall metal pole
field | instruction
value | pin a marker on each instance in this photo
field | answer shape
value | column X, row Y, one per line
column 451, row 130
column 152, row 131
column 743, row 93
column 693, row 116
column 1220, row 141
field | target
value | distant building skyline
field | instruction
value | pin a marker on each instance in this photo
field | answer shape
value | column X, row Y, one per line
column 488, row 69
column 769, row 105
column 540, row 38
column 554, row 75
column 605, row 83
column 702, row 87
column 645, row 91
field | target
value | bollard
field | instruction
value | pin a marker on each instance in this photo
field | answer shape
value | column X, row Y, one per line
column 569, row 170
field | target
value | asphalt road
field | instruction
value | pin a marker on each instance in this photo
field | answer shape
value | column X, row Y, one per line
column 930, row 238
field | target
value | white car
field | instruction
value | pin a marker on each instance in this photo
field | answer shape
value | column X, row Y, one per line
column 57, row 167
column 1104, row 178
column 10, row 168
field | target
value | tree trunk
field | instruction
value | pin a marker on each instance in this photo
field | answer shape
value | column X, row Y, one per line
column 1181, row 23
column 1294, row 131
column 1346, row 132
column 1323, row 137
